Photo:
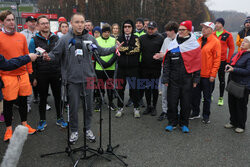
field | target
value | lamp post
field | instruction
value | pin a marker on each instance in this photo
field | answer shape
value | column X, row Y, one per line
column 17, row 7
column 86, row 3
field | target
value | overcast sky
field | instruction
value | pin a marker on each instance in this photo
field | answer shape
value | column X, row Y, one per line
column 237, row 5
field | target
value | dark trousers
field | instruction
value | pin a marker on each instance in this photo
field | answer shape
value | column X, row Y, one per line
column 221, row 76
column 179, row 92
column 206, row 87
column 43, row 83
column 151, row 83
column 131, row 75
column 8, row 113
column 105, row 83
column 238, row 110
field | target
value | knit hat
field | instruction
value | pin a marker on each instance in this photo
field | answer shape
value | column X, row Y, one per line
column 140, row 20
column 220, row 20
column 248, row 38
column 187, row 24
column 247, row 21
column 62, row 19
column 97, row 28
column 128, row 22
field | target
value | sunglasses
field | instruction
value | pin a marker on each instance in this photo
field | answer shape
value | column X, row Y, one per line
column 127, row 26
column 182, row 30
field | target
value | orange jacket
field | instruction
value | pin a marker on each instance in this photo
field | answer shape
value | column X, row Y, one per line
column 226, row 41
column 210, row 57
column 14, row 46
column 240, row 37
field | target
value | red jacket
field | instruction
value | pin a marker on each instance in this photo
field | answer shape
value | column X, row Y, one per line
column 227, row 41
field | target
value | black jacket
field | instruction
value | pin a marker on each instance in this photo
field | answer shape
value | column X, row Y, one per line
column 40, row 66
column 243, row 33
column 151, row 44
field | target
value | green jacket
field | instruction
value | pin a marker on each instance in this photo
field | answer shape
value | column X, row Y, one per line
column 106, row 43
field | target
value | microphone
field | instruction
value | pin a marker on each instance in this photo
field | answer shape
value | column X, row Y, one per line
column 40, row 51
column 71, row 43
column 78, row 51
column 92, row 47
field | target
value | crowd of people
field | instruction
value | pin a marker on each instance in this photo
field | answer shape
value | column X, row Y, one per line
column 137, row 54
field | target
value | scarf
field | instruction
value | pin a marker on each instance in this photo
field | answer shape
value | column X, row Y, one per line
column 237, row 57
column 8, row 32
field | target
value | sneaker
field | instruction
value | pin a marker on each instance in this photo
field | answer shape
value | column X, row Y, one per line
column 129, row 103
column 2, row 118
column 62, row 123
column 112, row 107
column 97, row 108
column 35, row 100
column 42, row 125
column 192, row 116
column 162, row 116
column 137, row 113
column 239, row 130
column 170, row 128
column 73, row 137
column 220, row 101
column 147, row 111
column 28, row 108
column 154, row 111
column 228, row 126
column 90, row 136
column 48, row 107
column 119, row 113
column 141, row 103
column 206, row 121
column 185, row 129
column 31, row 130
column 7, row 135
column 160, row 93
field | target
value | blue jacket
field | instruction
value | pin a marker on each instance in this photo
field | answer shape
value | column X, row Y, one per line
column 12, row 64
column 241, row 72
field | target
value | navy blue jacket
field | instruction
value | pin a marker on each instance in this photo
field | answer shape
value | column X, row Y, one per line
column 12, row 64
column 241, row 72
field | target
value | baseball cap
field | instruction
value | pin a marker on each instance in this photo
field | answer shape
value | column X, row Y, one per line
column 152, row 24
column 31, row 18
column 209, row 24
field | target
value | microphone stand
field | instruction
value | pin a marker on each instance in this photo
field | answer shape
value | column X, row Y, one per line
column 110, row 149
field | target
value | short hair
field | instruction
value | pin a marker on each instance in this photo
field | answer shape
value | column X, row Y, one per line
column 172, row 26
column 106, row 27
column 4, row 14
column 41, row 17
column 145, row 19
column 77, row 14
column 89, row 22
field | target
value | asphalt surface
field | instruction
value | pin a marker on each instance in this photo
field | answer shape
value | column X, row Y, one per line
column 143, row 140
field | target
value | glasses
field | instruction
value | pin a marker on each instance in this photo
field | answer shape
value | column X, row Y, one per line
column 127, row 26
column 182, row 30
column 47, row 23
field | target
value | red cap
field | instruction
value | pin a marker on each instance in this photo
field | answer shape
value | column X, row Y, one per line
column 62, row 19
column 187, row 24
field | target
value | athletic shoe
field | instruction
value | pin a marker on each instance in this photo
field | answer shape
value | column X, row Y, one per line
column 42, row 125
column 119, row 113
column 90, row 136
column 129, row 103
column 73, row 137
column 35, row 100
column 228, row 126
column 153, row 111
column 220, row 101
column 7, row 135
column 192, row 116
column 137, row 113
column 28, row 108
column 48, row 107
column 112, row 107
column 160, row 93
column 97, row 108
column 62, row 123
column 162, row 116
column 147, row 111
column 239, row 130
column 185, row 129
column 206, row 121
column 170, row 128
column 31, row 130
column 2, row 118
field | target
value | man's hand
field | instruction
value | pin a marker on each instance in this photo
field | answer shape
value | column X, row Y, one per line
column 46, row 56
column 119, row 45
column 229, row 68
column 33, row 56
column 211, row 79
column 35, row 83
column 158, row 56
column 194, row 85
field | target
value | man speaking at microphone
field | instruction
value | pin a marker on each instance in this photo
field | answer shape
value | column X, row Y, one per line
column 77, row 68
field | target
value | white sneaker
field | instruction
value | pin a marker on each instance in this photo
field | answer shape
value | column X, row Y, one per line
column 90, row 136
column 137, row 113
column 28, row 108
column 48, row 107
column 119, row 113
column 228, row 126
column 239, row 130
column 73, row 137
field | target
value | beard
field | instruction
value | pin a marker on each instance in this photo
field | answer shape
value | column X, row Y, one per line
column 45, row 31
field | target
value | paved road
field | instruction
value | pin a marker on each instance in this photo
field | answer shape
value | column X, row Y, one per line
column 144, row 141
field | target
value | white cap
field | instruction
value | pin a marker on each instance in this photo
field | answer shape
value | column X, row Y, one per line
column 248, row 38
column 208, row 24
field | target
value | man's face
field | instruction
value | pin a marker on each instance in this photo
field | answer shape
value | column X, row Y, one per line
column 218, row 26
column 106, row 34
column 151, row 31
column 31, row 24
column 9, row 22
column 43, row 25
column 146, row 23
column 247, row 25
column 128, row 29
column 88, row 26
column 206, row 31
column 139, row 25
column 78, row 23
